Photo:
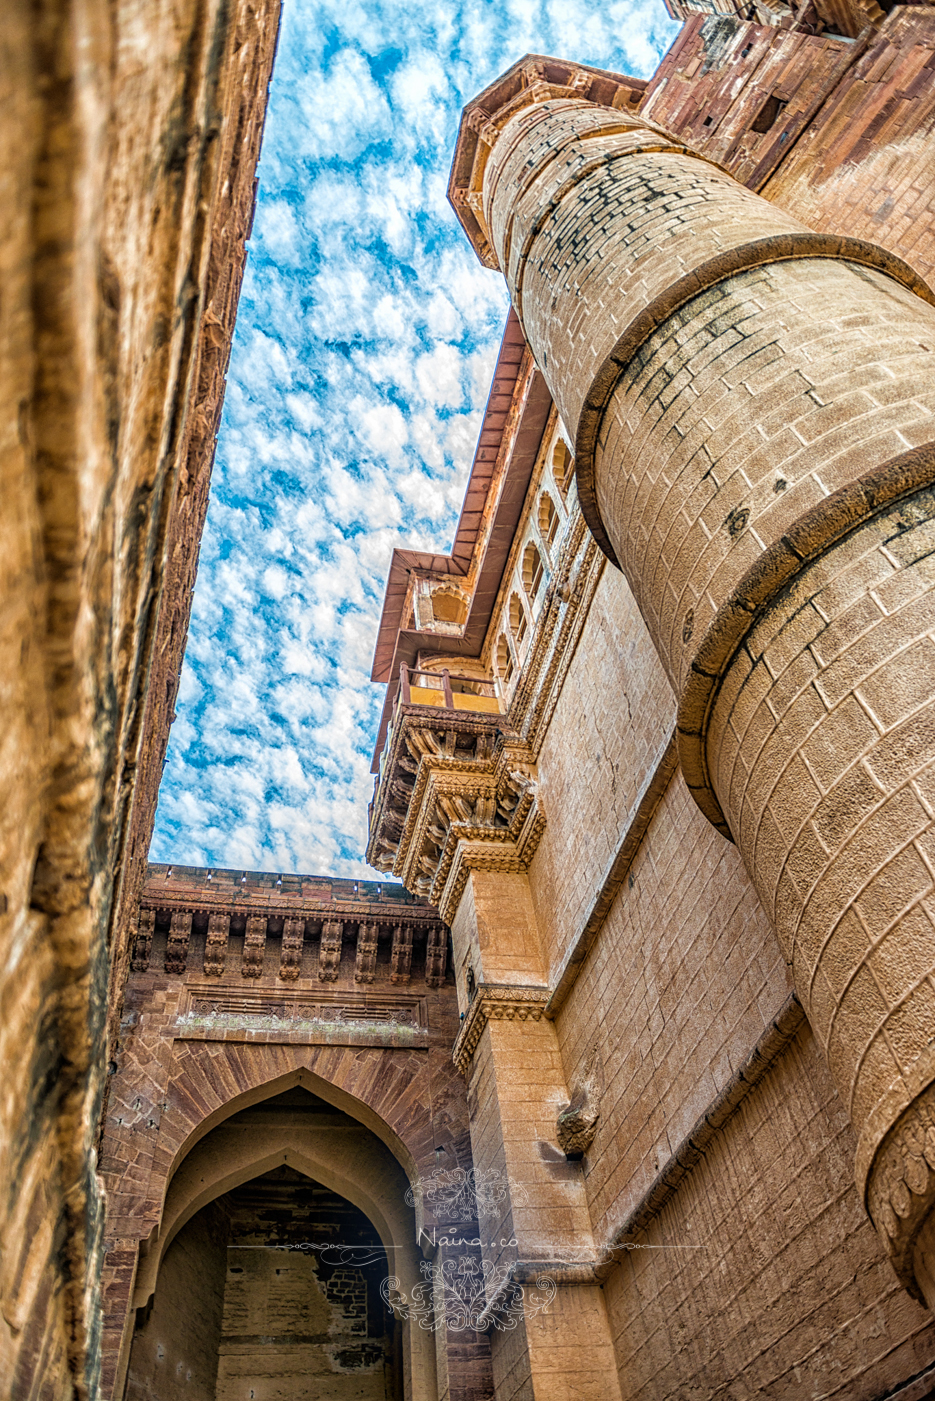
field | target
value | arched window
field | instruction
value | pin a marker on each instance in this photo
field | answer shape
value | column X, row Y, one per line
column 518, row 620
column 448, row 607
column 549, row 520
column 563, row 467
column 533, row 569
column 504, row 660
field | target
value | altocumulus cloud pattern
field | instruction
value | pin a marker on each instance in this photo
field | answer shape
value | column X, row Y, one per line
column 365, row 342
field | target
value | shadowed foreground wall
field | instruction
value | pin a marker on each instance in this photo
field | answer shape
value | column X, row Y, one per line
column 132, row 134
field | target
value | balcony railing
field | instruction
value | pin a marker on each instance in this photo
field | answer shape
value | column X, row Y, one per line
column 445, row 690
column 444, row 693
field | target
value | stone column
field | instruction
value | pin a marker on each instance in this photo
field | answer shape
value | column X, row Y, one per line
column 753, row 403
column 532, row 1207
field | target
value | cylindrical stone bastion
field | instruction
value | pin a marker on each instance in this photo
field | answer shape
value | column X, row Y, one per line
column 754, row 406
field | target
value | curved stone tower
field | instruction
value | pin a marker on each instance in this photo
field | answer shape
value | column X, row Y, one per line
column 754, row 404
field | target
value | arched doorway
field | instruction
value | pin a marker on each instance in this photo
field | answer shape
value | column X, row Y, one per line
column 266, row 1283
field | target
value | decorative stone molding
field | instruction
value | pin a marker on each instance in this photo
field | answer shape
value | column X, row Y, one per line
column 534, row 79
column 293, row 910
column 558, row 629
column 496, row 1002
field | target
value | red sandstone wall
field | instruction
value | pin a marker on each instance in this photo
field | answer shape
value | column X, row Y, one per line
column 175, row 1352
column 851, row 150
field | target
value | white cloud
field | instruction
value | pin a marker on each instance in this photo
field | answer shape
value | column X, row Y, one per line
column 365, row 343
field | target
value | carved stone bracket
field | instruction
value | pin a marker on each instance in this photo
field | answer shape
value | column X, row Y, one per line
column 436, row 956
column 458, row 794
column 143, row 943
column 401, row 954
column 290, row 958
column 216, row 944
column 177, row 944
column 901, row 1187
column 329, row 954
column 366, row 963
column 254, row 946
column 496, row 1002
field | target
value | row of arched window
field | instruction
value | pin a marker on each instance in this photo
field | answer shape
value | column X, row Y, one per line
column 533, row 567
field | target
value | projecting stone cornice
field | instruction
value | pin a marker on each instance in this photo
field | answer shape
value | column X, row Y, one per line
column 496, row 1002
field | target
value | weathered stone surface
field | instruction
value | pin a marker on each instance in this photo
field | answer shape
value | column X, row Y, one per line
column 131, row 136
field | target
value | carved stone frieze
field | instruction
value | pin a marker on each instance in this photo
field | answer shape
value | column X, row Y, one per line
column 496, row 1002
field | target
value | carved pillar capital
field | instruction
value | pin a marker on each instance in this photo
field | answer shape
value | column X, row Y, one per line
column 496, row 1002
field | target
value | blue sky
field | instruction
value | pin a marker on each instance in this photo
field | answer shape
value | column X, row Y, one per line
column 365, row 341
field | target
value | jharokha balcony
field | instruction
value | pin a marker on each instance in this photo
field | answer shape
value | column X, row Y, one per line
column 451, row 774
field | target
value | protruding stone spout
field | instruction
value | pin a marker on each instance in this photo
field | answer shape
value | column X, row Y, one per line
column 754, row 405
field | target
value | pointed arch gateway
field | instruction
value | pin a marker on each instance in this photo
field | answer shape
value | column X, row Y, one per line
column 312, row 1097
column 278, row 1227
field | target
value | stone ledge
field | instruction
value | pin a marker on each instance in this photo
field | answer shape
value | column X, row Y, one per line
column 496, row 1002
